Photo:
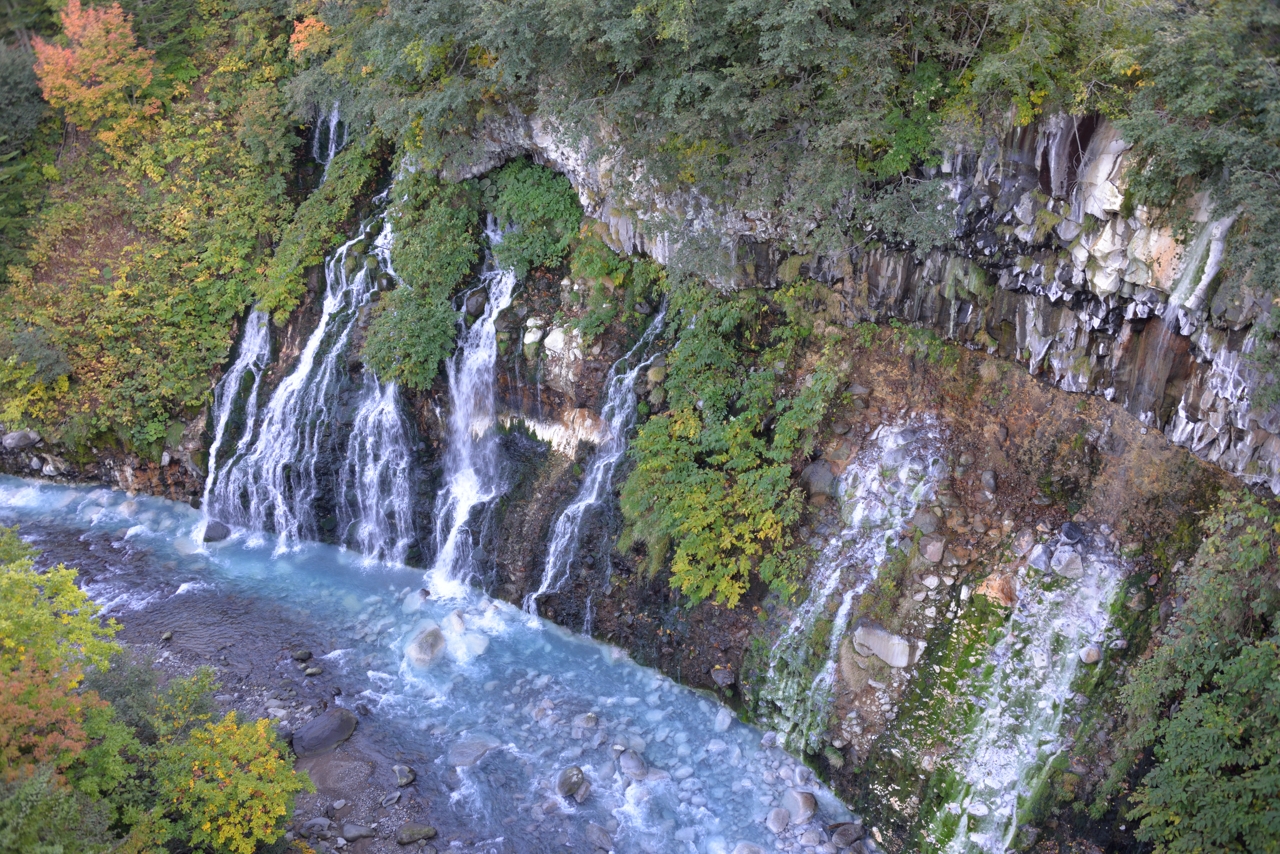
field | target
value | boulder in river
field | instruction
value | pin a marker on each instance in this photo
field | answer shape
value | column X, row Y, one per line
column 216, row 532
column 801, row 806
column 570, row 780
column 471, row 749
column 747, row 848
column 599, row 837
column 324, row 732
column 426, row 648
column 777, row 821
column 633, row 765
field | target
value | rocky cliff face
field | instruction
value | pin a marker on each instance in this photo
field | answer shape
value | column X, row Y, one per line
column 1047, row 267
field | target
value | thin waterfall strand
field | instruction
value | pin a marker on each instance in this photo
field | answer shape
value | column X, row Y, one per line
column 619, row 412
column 255, row 352
column 375, row 512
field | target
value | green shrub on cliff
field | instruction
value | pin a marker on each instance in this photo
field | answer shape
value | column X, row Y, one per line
column 1205, row 707
column 713, row 475
column 542, row 208
column 436, row 229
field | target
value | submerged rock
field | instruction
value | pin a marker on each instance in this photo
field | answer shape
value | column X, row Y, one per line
column 777, row 821
column 471, row 750
column 801, row 806
column 1067, row 563
column 404, row 775
column 570, row 781
column 633, row 765
column 324, row 733
column 426, row 648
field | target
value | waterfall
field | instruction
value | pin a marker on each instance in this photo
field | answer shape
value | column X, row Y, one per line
column 255, row 352
column 898, row 469
column 1008, row 749
column 375, row 507
column 619, row 412
column 330, row 137
column 471, row 478
column 274, row 482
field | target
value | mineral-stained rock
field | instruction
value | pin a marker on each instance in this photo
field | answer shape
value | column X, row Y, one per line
column 894, row 650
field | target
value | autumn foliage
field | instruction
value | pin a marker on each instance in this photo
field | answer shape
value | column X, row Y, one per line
column 101, row 72
column 41, row 719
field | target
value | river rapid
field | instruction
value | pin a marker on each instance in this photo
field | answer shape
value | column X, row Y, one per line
column 489, row 724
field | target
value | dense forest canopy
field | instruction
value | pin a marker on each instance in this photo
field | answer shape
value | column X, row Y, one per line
column 185, row 120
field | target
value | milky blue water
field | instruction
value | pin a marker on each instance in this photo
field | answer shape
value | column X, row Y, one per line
column 506, row 684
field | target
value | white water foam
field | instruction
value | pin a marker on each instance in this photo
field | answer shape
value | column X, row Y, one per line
column 1018, row 732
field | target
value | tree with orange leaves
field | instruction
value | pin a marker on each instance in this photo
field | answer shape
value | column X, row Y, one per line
column 101, row 72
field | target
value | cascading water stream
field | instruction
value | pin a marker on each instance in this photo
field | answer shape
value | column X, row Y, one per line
column 619, row 412
column 472, row 473
column 1018, row 727
column 274, row 482
column 375, row 508
column 898, row 469
column 330, row 137
column 252, row 360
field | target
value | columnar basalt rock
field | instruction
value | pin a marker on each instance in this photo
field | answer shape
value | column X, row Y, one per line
column 1047, row 267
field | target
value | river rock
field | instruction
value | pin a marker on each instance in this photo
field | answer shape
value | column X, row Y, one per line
column 1067, row 562
column 747, row 848
column 19, row 439
column 352, row 832
column 1023, row 542
column 599, row 837
column 324, row 732
column 414, row 601
column 425, row 649
column 777, row 821
column 845, row 834
column 893, row 650
column 633, row 765
column 1071, row 533
column 216, row 532
column 472, row 749
column 570, row 780
column 1091, row 654
column 925, row 521
column 932, row 547
column 411, row 832
column 801, row 806
column 404, row 774
column 724, row 718
column 586, row 720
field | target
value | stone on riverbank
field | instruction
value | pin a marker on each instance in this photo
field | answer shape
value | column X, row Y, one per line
column 324, row 733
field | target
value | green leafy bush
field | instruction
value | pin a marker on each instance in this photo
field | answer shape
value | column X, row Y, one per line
column 713, row 475
column 542, row 207
column 319, row 223
column 410, row 334
column 436, row 229
column 1206, row 705
column 229, row 785
column 39, row 816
